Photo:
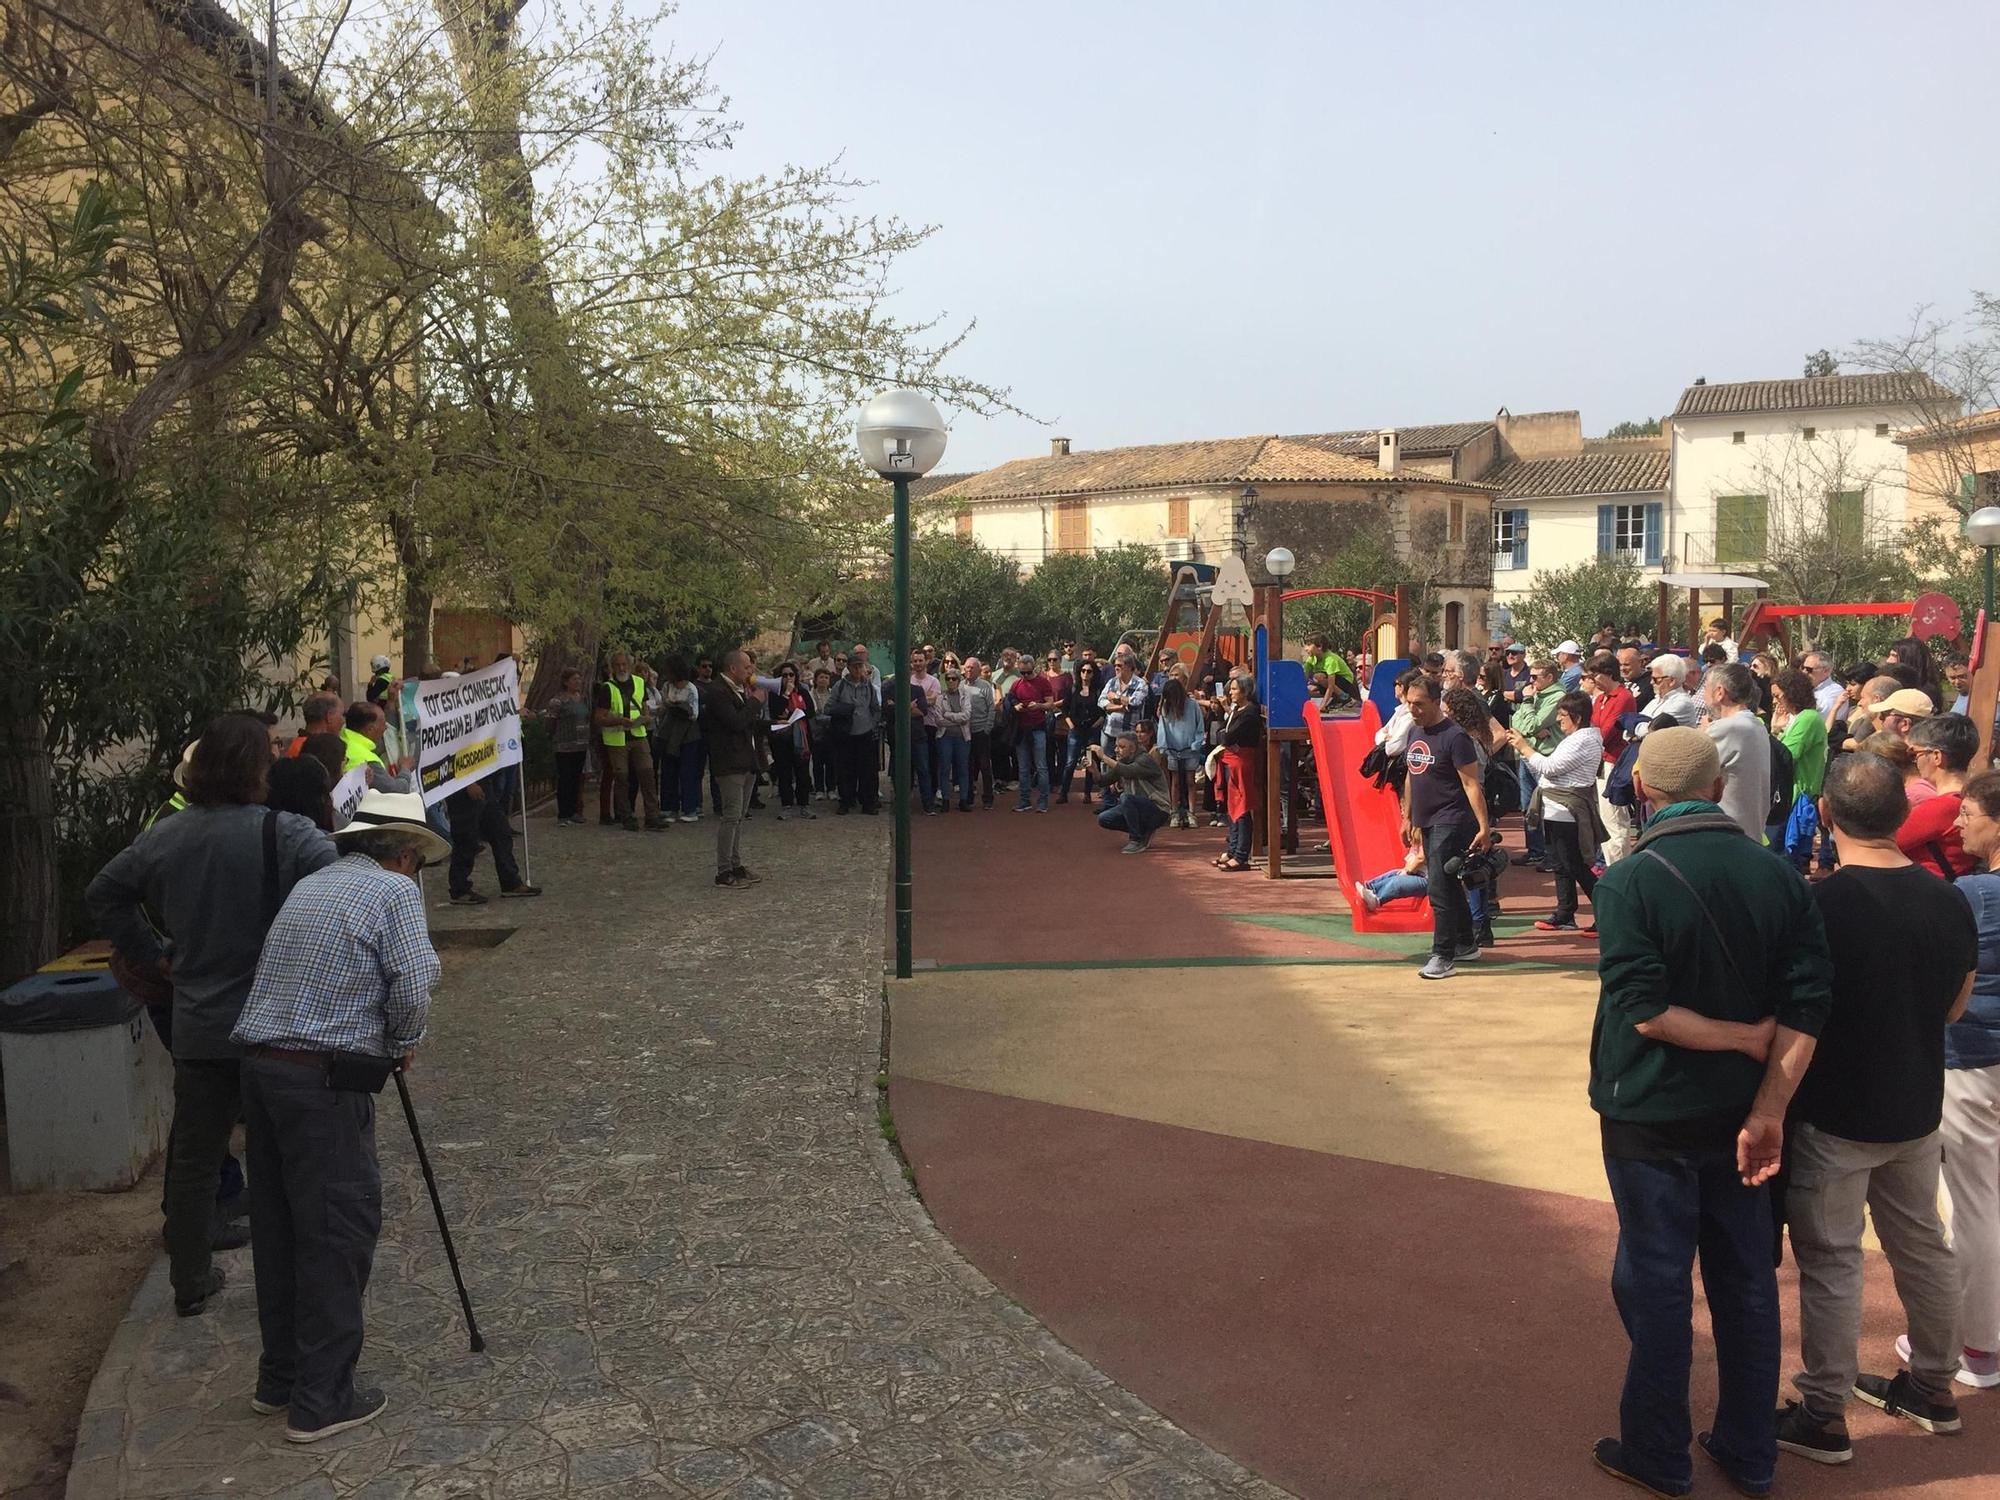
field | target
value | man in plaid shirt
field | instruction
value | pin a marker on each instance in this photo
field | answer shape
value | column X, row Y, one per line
column 340, row 1000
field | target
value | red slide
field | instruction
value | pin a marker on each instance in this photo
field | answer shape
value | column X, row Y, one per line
column 1363, row 821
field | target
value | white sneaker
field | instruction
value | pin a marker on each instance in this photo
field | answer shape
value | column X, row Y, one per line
column 1975, row 1369
column 690, row 817
column 1439, row 967
column 1369, row 900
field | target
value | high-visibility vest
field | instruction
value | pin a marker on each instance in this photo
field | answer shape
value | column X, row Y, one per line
column 616, row 737
column 361, row 751
column 176, row 803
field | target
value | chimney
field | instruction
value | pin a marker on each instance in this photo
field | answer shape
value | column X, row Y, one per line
column 1058, row 447
column 1389, row 454
column 1701, row 380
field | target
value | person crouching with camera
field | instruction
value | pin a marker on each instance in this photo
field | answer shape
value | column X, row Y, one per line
column 339, row 1003
column 1444, row 804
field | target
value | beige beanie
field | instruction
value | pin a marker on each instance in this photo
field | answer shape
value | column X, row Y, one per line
column 1677, row 764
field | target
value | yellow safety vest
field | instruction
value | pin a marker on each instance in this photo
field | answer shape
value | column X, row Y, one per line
column 616, row 737
column 360, row 750
column 176, row 803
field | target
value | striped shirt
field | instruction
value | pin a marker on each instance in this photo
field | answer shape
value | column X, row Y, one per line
column 348, row 965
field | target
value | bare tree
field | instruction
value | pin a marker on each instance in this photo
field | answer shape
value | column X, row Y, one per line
column 1828, row 534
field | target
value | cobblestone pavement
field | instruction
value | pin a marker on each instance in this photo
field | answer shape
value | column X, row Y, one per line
column 697, row 1267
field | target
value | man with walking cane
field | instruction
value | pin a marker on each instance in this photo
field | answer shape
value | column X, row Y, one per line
column 338, row 1005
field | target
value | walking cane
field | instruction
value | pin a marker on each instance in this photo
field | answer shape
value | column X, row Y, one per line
column 430, row 1181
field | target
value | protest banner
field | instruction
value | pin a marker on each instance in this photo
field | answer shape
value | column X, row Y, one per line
column 347, row 794
column 467, row 728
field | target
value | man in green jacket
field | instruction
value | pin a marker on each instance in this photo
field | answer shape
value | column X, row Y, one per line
column 1715, row 980
column 1535, row 718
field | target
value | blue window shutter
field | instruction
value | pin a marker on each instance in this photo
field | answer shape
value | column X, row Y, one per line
column 1520, row 539
column 1656, row 525
column 1605, row 532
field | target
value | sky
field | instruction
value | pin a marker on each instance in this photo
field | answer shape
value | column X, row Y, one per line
column 1174, row 220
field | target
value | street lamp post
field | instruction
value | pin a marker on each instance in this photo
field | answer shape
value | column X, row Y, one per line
column 901, row 437
column 1982, row 529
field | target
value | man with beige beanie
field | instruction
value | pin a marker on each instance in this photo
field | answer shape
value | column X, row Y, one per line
column 1715, row 980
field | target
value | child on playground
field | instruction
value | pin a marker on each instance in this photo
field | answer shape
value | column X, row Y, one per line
column 1394, row 884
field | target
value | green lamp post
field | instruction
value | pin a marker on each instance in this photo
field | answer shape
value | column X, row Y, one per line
column 1982, row 529
column 902, row 438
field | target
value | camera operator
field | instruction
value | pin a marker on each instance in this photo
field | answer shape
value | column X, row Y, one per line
column 1142, row 808
column 1444, row 802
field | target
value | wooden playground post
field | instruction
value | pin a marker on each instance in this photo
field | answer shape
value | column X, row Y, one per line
column 1983, row 692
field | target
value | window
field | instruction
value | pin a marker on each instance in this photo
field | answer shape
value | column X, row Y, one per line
column 1983, row 489
column 964, row 520
column 1454, row 520
column 1510, row 540
column 1741, row 522
column 1847, row 518
column 1881, row 429
column 1634, row 531
column 1177, row 516
column 1735, row 437
column 1072, row 526
column 1454, row 625
column 1810, row 433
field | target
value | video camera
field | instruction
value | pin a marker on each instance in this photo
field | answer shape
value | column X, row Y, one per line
column 1482, row 869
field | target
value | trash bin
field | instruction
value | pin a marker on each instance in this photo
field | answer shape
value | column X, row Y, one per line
column 89, row 1088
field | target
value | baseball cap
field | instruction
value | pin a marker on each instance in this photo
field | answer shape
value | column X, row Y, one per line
column 1568, row 648
column 1909, row 702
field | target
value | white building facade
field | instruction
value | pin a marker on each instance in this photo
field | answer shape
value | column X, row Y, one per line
column 1757, row 464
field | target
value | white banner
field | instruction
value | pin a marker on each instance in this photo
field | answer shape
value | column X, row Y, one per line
column 347, row 794
column 467, row 727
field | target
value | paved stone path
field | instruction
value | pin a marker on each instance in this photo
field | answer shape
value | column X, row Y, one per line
column 697, row 1267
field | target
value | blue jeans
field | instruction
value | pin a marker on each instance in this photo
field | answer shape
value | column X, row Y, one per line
column 1057, row 757
column 1031, row 747
column 1477, row 905
column 1536, row 847
column 1135, row 815
column 954, row 769
column 690, row 763
column 1240, row 838
column 923, row 763
column 1668, row 1213
column 1451, row 914
column 1079, row 741
column 1397, row 884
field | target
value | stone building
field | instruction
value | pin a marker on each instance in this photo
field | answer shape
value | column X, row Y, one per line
column 1201, row 501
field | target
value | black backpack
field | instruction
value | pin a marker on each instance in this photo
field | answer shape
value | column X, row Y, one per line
column 1782, row 773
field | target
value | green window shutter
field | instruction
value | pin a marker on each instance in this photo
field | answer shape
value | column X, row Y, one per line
column 1606, row 522
column 1520, row 540
column 1846, row 514
column 1656, row 532
column 1741, row 523
column 1968, row 486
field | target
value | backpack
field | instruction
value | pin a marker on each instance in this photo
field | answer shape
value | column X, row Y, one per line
column 1782, row 772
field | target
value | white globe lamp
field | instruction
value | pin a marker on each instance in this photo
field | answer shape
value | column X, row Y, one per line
column 900, row 434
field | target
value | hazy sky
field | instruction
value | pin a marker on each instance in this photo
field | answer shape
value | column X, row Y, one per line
column 1179, row 220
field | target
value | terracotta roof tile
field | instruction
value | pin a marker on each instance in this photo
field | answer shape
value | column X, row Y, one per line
column 930, row 484
column 1246, row 460
column 1979, row 424
column 1415, row 442
column 1819, row 393
column 1587, row 474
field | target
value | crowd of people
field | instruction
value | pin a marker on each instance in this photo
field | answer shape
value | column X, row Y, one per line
column 1795, row 874
column 1556, row 738
column 1150, row 748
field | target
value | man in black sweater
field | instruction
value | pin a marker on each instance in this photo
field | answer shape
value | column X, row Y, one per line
column 1865, row 1131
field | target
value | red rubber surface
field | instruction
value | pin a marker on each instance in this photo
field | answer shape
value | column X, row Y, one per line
column 1347, row 1328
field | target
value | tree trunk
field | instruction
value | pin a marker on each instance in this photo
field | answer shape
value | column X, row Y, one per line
column 28, row 926
column 417, row 597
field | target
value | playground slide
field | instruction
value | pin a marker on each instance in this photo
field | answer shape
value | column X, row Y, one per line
column 1363, row 821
